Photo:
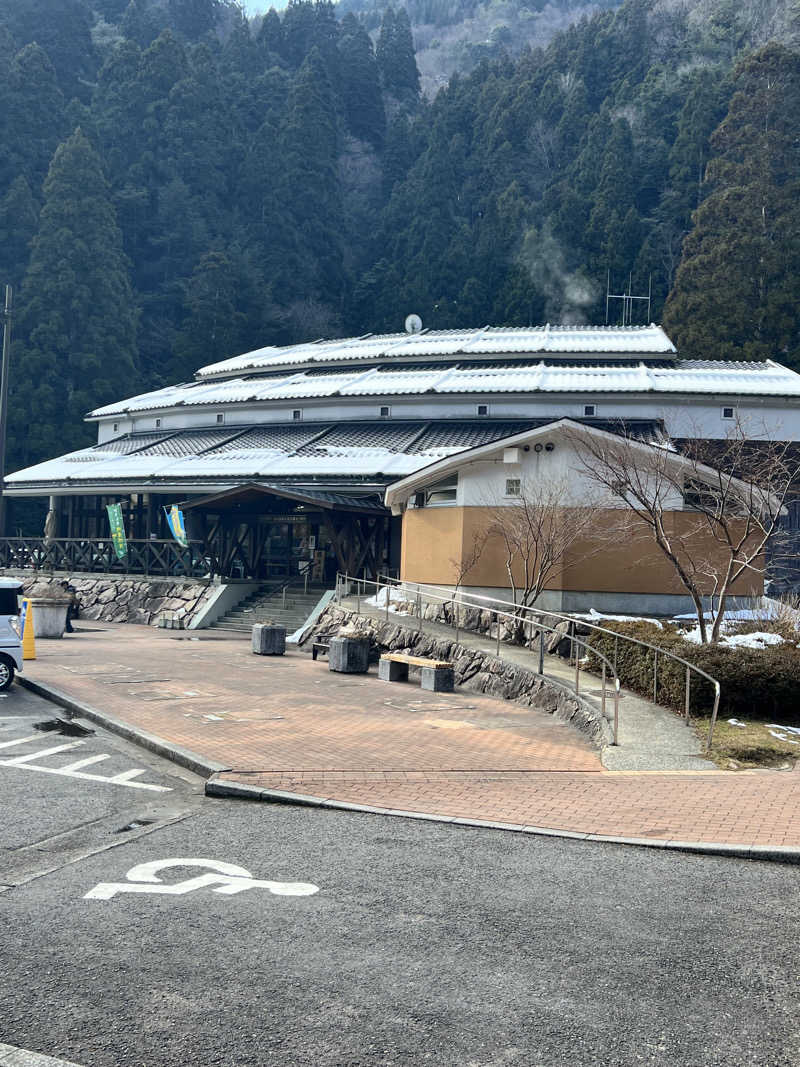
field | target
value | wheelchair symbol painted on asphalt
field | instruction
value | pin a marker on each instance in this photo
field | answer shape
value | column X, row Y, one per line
column 228, row 878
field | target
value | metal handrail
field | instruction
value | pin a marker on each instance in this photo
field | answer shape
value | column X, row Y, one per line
column 575, row 641
column 296, row 580
column 603, row 630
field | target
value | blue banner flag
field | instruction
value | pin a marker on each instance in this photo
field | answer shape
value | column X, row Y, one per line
column 176, row 526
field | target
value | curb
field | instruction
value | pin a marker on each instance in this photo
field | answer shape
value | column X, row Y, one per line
column 206, row 768
column 772, row 853
column 184, row 757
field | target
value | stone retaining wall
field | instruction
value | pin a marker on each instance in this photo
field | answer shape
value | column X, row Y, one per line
column 485, row 621
column 113, row 599
column 476, row 670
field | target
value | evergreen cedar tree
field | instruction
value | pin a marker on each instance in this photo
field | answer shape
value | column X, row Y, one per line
column 237, row 183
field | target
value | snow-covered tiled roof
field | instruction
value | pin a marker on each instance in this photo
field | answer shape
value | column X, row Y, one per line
column 491, row 340
column 378, row 450
column 513, row 377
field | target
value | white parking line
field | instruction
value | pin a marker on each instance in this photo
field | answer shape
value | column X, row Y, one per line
column 19, row 760
column 30, row 762
column 11, row 1056
column 79, row 764
column 21, row 740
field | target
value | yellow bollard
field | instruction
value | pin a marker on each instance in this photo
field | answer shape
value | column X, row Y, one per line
column 28, row 635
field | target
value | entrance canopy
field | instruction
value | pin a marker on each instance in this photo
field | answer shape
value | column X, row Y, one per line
column 252, row 493
column 257, row 530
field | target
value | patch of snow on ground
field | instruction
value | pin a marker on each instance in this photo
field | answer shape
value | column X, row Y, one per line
column 754, row 640
column 780, row 732
column 769, row 610
column 595, row 616
column 394, row 597
column 759, row 639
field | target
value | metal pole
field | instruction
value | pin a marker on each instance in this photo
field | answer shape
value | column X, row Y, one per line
column 713, row 716
column 386, row 590
column 455, row 616
column 541, row 650
column 603, row 698
column 688, row 687
column 419, row 611
column 616, row 710
column 616, row 649
column 4, row 375
column 497, row 625
column 655, row 674
column 283, row 596
column 577, row 670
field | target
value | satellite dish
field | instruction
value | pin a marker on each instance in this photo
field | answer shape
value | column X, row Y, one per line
column 413, row 323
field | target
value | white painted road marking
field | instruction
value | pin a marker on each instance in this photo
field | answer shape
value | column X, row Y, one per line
column 229, row 879
column 21, row 740
column 17, row 761
column 29, row 762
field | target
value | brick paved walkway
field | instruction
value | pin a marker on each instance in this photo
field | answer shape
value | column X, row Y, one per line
column 289, row 724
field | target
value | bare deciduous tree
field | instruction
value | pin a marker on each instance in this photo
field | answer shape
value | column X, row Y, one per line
column 537, row 530
column 732, row 494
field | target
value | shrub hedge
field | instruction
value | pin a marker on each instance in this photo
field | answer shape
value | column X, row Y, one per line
column 761, row 684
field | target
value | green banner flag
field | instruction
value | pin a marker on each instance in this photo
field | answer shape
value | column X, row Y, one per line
column 117, row 525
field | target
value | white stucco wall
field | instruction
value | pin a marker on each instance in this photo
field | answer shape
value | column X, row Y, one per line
column 483, row 483
column 695, row 416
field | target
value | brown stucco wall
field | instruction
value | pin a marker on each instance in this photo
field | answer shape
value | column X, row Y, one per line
column 432, row 540
column 616, row 561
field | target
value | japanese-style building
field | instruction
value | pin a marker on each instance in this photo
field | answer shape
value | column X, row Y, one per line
column 280, row 458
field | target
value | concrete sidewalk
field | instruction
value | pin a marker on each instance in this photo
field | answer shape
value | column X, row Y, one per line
column 268, row 727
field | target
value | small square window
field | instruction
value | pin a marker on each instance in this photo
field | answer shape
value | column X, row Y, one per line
column 589, row 409
column 385, row 412
column 220, row 418
column 483, row 409
column 297, row 414
column 513, row 487
column 728, row 413
column 158, row 423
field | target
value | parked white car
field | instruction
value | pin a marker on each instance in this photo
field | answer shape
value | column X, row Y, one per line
column 10, row 631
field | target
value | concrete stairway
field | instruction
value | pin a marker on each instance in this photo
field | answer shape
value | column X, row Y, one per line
column 261, row 607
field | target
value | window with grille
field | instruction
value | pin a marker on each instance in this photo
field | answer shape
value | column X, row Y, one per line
column 513, row 487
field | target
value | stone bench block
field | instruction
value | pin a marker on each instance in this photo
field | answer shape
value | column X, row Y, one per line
column 438, row 679
column 349, row 655
column 269, row 640
column 390, row 671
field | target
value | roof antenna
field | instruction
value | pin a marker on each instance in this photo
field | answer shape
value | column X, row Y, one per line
column 413, row 324
column 628, row 299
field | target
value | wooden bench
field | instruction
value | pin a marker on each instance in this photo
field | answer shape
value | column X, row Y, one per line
column 319, row 646
column 435, row 674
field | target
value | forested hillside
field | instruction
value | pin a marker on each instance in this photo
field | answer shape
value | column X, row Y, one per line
column 179, row 185
column 451, row 35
